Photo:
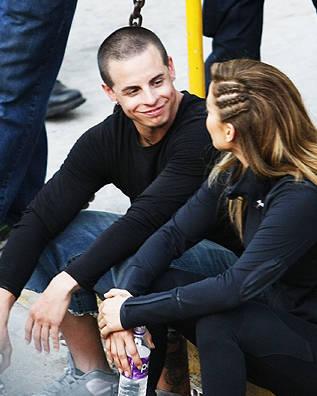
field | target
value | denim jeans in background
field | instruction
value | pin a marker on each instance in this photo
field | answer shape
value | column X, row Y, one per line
column 33, row 36
column 206, row 258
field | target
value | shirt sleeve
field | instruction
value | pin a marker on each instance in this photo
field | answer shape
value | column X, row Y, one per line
column 187, row 227
column 53, row 209
column 276, row 246
column 182, row 175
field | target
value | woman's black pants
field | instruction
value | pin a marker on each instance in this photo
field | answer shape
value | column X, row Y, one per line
column 275, row 350
column 270, row 348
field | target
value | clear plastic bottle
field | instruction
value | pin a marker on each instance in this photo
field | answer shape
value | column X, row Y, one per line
column 137, row 383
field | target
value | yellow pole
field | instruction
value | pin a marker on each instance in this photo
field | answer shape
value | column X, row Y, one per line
column 195, row 47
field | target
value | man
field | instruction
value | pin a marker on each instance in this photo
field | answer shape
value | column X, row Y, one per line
column 152, row 149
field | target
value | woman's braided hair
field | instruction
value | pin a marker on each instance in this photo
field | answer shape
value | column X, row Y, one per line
column 274, row 131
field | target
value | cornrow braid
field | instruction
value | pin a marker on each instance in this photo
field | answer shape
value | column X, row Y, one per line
column 232, row 98
column 229, row 87
column 274, row 131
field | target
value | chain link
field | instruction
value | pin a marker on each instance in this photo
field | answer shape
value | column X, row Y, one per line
column 136, row 17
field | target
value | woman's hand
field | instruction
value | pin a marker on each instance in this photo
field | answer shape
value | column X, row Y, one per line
column 120, row 345
column 47, row 313
column 109, row 311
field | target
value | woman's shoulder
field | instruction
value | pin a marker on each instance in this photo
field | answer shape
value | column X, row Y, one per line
column 289, row 189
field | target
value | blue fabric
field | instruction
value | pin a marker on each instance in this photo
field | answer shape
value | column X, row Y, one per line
column 236, row 29
column 205, row 258
column 33, row 39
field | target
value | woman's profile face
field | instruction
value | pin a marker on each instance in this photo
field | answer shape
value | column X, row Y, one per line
column 216, row 128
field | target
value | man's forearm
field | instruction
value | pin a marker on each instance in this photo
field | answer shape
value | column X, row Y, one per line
column 7, row 299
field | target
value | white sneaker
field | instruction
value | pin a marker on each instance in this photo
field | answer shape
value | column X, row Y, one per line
column 94, row 383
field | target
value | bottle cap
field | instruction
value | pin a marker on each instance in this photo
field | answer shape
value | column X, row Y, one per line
column 140, row 330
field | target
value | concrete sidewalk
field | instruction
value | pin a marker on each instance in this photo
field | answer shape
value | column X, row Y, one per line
column 289, row 42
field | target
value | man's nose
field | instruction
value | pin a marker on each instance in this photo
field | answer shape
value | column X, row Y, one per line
column 150, row 97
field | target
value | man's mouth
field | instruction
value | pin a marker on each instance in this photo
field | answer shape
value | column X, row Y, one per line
column 154, row 112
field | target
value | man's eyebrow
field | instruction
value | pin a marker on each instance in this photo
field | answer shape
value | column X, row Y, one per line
column 132, row 87
column 161, row 75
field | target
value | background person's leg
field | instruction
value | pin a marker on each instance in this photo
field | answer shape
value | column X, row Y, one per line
column 33, row 39
column 236, row 29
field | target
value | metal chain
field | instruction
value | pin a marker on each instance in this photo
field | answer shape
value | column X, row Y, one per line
column 136, row 17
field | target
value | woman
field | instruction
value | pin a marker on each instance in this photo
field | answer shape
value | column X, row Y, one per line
column 257, row 320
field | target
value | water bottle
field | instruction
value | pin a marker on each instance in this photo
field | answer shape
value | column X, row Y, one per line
column 137, row 383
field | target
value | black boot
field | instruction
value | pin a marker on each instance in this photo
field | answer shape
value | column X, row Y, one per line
column 62, row 100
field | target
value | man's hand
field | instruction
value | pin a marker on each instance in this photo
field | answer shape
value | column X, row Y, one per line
column 5, row 348
column 47, row 313
column 109, row 311
column 7, row 300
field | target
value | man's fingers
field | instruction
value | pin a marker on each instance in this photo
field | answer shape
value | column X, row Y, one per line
column 5, row 361
column 5, row 358
column 45, row 334
column 54, row 334
column 28, row 329
column 37, row 337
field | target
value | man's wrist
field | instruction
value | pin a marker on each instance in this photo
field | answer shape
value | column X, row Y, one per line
column 65, row 282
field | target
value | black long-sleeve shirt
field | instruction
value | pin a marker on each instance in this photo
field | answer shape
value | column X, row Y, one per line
column 278, row 265
column 158, row 179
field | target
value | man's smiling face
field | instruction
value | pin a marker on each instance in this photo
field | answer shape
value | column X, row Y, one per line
column 143, row 86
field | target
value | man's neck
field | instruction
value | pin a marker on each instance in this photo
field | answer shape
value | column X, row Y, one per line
column 150, row 136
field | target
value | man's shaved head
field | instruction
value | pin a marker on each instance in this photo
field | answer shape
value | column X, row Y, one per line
column 125, row 43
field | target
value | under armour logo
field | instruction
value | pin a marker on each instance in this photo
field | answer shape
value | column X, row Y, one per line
column 259, row 204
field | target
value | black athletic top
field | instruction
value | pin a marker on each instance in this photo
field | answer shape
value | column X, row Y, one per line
column 158, row 180
column 278, row 265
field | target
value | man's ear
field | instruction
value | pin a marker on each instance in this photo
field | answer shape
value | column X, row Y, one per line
column 109, row 92
column 171, row 68
column 230, row 132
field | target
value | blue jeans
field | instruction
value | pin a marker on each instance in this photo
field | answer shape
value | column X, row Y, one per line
column 33, row 39
column 205, row 258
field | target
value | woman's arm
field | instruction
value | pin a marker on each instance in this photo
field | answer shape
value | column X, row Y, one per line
column 186, row 228
column 287, row 232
